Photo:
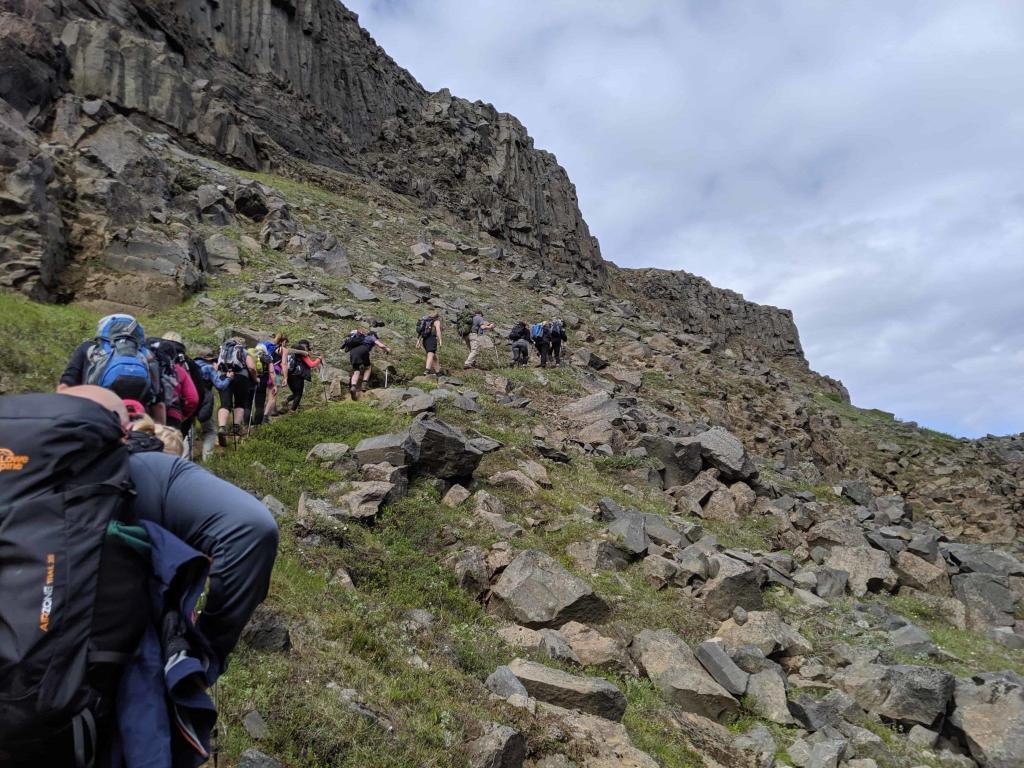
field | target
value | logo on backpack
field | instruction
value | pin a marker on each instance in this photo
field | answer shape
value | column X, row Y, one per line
column 118, row 360
column 47, row 606
column 11, row 462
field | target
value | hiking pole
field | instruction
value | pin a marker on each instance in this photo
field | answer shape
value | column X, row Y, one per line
column 494, row 347
column 252, row 409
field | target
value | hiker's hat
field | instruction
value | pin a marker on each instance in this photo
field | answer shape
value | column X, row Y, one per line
column 135, row 409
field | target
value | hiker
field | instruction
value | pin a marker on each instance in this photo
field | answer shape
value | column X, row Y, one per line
column 117, row 358
column 236, row 365
column 519, row 336
column 557, row 337
column 264, row 363
column 181, row 398
column 116, row 651
column 300, row 367
column 359, row 344
column 164, row 438
column 540, row 335
column 276, row 348
column 209, row 380
column 479, row 327
column 428, row 338
column 464, row 325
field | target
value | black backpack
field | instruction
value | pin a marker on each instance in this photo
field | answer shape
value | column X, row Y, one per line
column 425, row 327
column 73, row 575
column 352, row 341
column 519, row 331
column 165, row 355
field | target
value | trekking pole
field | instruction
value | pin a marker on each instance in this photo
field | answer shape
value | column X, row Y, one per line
column 386, row 372
column 494, row 347
column 252, row 409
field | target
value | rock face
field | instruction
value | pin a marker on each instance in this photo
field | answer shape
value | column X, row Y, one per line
column 536, row 591
column 990, row 714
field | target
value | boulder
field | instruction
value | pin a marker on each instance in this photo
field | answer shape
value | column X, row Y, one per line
column 735, row 584
column 455, row 496
column 396, row 448
column 668, row 662
column 515, row 479
column 868, row 569
column 498, row 747
column 722, row 450
column 223, row 254
column 253, row 758
column 721, row 667
column 442, row 450
column 597, row 555
column 360, row 292
column 904, row 692
column 364, row 499
column 595, row 650
column 767, row 632
column 502, row 682
column 918, row 573
column 470, row 567
column 328, row 453
column 988, row 599
column 536, row 591
column 681, row 460
column 592, row 695
column 766, row 696
column 989, row 711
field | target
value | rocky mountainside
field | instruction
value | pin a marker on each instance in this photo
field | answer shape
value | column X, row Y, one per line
column 682, row 548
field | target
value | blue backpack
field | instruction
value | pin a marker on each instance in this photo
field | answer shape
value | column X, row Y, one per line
column 536, row 330
column 118, row 359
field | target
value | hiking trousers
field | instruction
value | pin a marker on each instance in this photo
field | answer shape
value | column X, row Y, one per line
column 542, row 350
column 474, row 350
column 520, row 352
column 556, row 350
column 296, row 384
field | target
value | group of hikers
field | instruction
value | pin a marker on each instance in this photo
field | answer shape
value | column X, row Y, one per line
column 111, row 537
column 546, row 336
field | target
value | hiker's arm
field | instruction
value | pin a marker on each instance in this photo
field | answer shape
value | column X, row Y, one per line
column 382, row 345
column 437, row 332
column 251, row 365
column 224, row 522
column 75, row 372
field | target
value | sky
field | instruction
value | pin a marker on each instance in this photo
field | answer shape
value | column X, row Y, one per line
column 859, row 163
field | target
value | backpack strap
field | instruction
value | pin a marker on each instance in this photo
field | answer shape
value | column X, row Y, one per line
column 83, row 727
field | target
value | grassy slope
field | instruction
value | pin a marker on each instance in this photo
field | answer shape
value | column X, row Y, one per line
column 359, row 639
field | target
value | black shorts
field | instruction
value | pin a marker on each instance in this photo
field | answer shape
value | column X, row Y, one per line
column 360, row 358
column 430, row 343
column 237, row 394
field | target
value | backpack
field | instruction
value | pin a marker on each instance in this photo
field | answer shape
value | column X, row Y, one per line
column 297, row 366
column 518, row 332
column 464, row 323
column 353, row 340
column 425, row 327
column 205, row 390
column 262, row 358
column 118, row 360
column 537, row 330
column 74, row 575
column 232, row 357
column 165, row 355
column 557, row 332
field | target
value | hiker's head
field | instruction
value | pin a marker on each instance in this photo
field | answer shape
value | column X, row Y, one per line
column 173, row 336
column 173, row 442
column 280, row 338
column 136, row 411
column 103, row 397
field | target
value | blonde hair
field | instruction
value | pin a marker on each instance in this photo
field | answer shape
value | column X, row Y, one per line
column 172, row 439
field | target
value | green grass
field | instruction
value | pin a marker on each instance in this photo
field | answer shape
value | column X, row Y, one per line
column 39, row 339
column 652, row 729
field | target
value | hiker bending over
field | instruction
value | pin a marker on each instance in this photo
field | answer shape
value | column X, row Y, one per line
column 117, row 358
column 236, row 365
column 130, row 539
column 480, row 326
column 359, row 343
column 519, row 336
column 428, row 338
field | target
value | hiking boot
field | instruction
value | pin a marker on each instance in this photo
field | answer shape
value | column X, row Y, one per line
column 236, row 430
column 353, row 393
column 222, row 437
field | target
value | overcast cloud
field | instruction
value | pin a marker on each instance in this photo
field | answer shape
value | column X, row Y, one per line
column 859, row 163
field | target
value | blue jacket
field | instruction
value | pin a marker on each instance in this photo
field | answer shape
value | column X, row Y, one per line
column 213, row 376
column 164, row 716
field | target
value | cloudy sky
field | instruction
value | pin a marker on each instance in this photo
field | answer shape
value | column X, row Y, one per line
column 860, row 163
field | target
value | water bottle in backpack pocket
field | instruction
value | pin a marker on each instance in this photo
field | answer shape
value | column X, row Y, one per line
column 73, row 578
column 118, row 359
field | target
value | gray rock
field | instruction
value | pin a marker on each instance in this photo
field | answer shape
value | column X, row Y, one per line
column 736, row 584
column 360, row 292
column 868, row 569
column 903, row 692
column 758, row 740
column 498, row 747
column 723, row 450
column 276, row 507
column 536, row 591
column 629, row 531
column 721, row 667
column 253, row 758
column 592, row 695
column 470, row 567
column 766, row 631
column 442, row 450
column 255, row 726
column 328, row 453
column 223, row 254
column 267, row 631
column 670, row 665
column 503, row 682
column 989, row 601
column 397, row 449
column 766, row 696
column 858, row 492
column 990, row 715
column 681, row 460
column 596, row 555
